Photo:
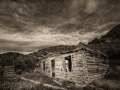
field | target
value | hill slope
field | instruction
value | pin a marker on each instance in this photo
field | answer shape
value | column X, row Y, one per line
column 109, row 44
column 51, row 50
column 7, row 58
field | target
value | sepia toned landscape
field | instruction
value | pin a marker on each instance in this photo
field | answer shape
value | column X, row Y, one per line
column 59, row 45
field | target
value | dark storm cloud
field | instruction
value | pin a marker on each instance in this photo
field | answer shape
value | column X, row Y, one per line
column 89, row 14
column 26, row 14
column 28, row 25
column 20, row 14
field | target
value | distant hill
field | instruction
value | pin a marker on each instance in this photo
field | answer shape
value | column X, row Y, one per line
column 109, row 44
column 51, row 50
column 8, row 57
column 112, row 35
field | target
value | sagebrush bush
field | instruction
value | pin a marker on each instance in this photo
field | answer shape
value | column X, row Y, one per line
column 107, row 84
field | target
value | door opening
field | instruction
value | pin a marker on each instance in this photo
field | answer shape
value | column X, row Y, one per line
column 68, row 64
column 43, row 65
column 53, row 67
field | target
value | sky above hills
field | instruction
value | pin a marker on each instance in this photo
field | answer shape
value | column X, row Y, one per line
column 29, row 25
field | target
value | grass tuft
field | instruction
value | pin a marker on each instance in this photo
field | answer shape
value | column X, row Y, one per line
column 107, row 84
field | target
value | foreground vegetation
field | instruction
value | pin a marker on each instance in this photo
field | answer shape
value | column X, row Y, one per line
column 22, row 85
column 40, row 77
column 100, row 84
column 18, row 84
column 107, row 84
column 111, row 81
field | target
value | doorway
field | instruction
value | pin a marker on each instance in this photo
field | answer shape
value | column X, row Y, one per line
column 53, row 67
column 43, row 65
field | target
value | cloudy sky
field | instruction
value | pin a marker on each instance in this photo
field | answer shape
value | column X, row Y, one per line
column 29, row 25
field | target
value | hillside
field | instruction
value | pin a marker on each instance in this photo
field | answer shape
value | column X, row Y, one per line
column 8, row 58
column 109, row 44
column 51, row 50
column 27, row 62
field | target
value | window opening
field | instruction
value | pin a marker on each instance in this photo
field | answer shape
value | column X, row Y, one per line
column 68, row 64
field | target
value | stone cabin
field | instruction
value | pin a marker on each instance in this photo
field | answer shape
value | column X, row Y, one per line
column 81, row 65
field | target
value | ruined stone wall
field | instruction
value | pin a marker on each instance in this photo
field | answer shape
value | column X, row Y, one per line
column 59, row 69
column 79, row 68
column 67, row 75
column 8, row 71
column 47, row 67
column 85, row 67
column 96, row 67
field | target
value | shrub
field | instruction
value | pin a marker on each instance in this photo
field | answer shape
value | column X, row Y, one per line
column 107, row 84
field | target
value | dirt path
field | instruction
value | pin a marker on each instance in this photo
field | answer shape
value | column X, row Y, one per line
column 46, row 85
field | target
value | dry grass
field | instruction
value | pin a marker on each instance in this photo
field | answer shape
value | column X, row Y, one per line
column 22, row 85
column 18, row 84
column 26, row 85
column 40, row 77
column 107, row 84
